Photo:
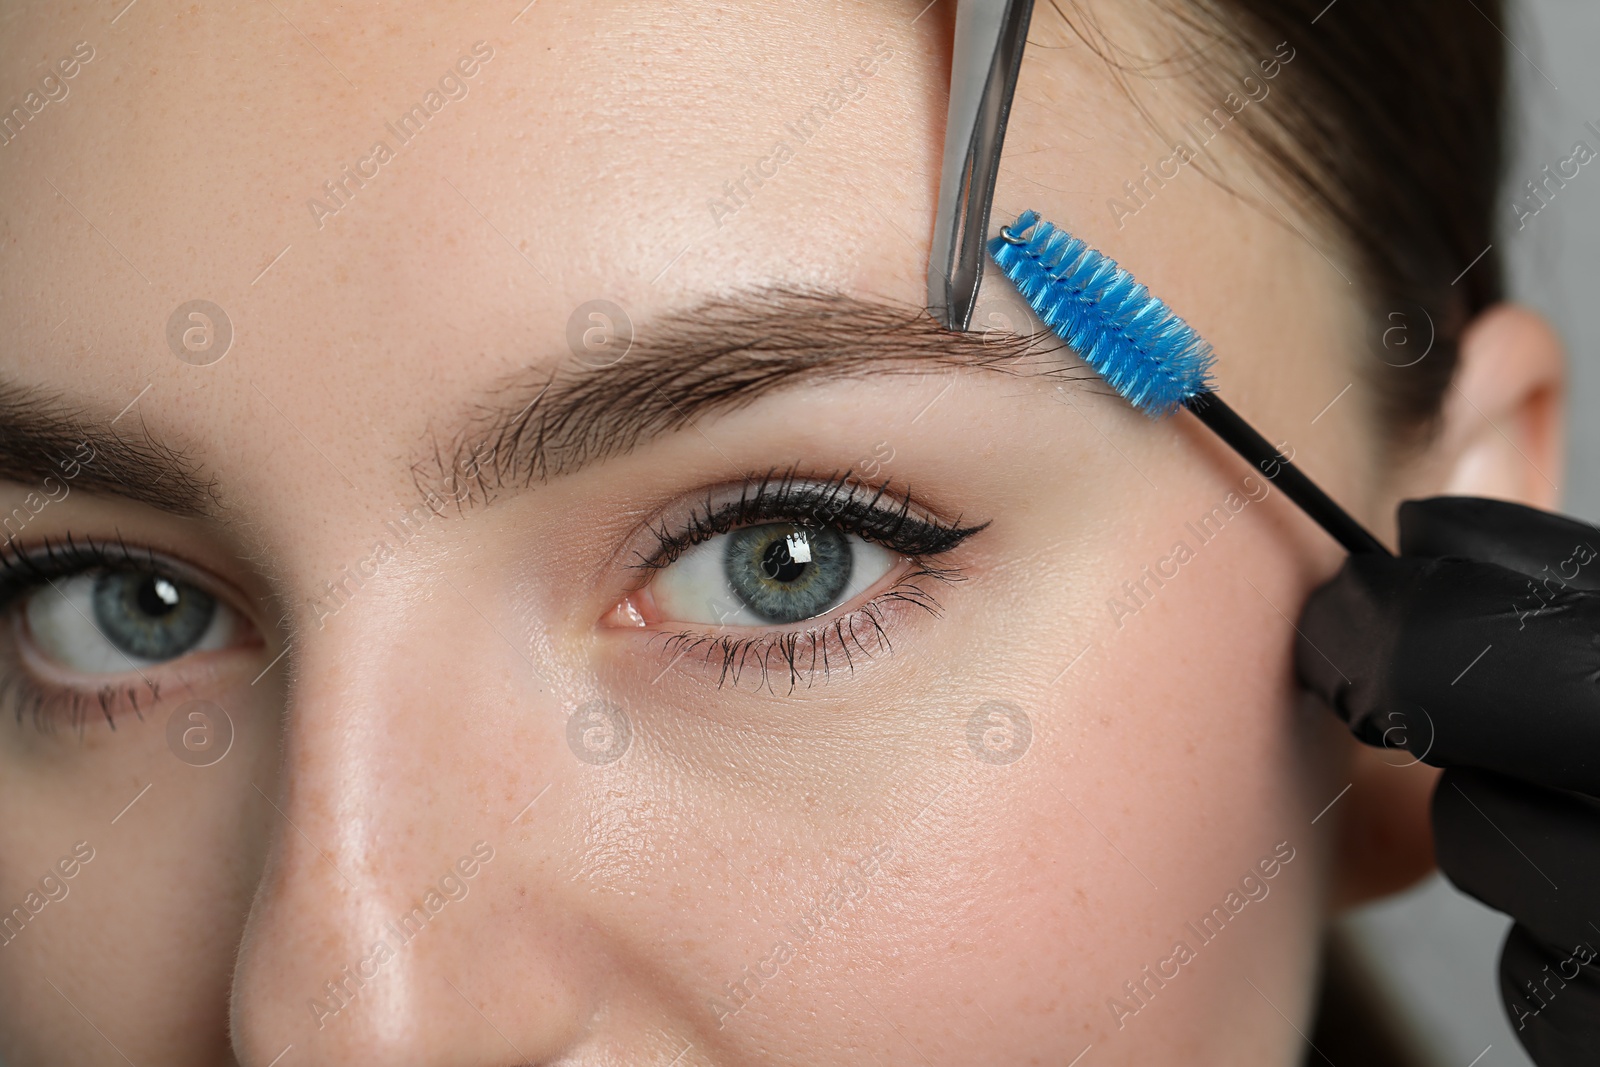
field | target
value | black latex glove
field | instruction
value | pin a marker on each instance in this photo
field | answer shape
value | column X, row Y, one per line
column 1478, row 650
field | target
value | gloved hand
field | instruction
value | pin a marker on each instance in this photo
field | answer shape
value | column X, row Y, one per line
column 1478, row 650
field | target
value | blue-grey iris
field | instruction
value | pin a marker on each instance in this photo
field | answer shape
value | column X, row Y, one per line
column 785, row 573
column 150, row 616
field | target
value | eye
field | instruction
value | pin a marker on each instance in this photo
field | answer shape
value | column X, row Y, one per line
column 116, row 620
column 749, row 566
column 775, row 573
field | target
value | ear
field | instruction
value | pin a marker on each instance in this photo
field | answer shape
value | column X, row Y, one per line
column 1501, row 434
column 1502, row 429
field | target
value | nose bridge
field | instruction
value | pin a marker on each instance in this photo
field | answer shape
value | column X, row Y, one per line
column 390, row 848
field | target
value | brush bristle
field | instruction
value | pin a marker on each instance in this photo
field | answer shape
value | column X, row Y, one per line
column 1150, row 356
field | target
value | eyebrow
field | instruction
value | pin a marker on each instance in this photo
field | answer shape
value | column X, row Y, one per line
column 718, row 356
column 44, row 436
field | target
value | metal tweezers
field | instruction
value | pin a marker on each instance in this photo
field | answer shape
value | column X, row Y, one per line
column 990, row 35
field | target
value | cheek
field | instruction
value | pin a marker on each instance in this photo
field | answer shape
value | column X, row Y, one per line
column 1019, row 889
column 1161, row 768
column 171, row 878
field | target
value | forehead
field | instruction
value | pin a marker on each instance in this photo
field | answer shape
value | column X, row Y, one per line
column 415, row 191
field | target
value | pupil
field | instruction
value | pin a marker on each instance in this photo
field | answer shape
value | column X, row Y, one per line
column 778, row 565
column 157, row 597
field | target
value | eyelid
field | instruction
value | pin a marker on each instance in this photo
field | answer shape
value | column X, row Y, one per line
column 876, row 513
column 23, row 568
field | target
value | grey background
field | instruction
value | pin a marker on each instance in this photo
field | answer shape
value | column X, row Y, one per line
column 1437, row 949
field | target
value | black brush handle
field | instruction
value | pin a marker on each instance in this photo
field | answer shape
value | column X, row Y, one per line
column 1243, row 439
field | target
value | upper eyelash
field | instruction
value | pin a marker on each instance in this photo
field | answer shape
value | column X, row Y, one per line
column 848, row 505
column 21, row 570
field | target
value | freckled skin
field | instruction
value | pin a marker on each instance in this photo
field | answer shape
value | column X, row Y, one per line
column 936, row 907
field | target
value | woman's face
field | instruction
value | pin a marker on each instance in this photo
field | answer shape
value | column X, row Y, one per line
column 556, row 602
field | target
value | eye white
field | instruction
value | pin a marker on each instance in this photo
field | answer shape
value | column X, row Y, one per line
column 695, row 587
column 60, row 619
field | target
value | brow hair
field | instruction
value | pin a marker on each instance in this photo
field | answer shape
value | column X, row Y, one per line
column 719, row 356
column 40, row 431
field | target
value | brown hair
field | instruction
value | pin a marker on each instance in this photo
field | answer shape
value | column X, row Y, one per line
column 1389, row 127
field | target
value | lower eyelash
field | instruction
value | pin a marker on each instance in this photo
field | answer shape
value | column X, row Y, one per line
column 803, row 653
column 69, row 707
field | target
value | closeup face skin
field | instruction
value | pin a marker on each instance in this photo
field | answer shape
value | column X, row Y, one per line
column 466, row 783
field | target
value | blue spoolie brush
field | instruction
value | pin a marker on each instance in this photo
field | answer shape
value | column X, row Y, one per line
column 1150, row 356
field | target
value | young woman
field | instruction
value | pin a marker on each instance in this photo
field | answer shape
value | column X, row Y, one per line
column 500, row 569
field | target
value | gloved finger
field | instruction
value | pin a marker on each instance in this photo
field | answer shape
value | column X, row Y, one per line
column 1552, row 997
column 1444, row 657
column 1530, row 852
column 1554, row 551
